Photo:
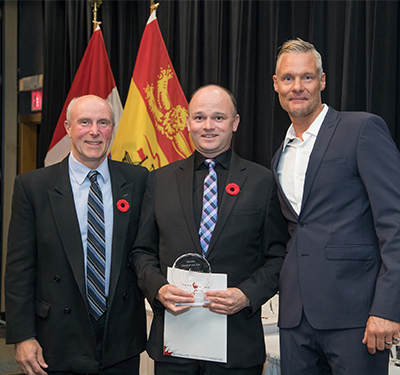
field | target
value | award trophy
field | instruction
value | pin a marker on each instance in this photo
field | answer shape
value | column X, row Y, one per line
column 192, row 272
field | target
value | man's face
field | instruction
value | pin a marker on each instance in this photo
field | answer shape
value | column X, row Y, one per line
column 299, row 85
column 211, row 121
column 90, row 130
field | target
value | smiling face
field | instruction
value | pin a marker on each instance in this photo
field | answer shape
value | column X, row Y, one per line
column 299, row 85
column 90, row 128
column 212, row 120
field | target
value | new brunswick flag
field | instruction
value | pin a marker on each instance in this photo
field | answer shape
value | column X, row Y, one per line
column 94, row 76
column 153, row 131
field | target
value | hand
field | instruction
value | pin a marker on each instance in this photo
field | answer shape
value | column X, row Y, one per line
column 29, row 357
column 169, row 295
column 378, row 332
column 227, row 302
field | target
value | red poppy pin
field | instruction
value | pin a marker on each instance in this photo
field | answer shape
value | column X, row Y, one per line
column 123, row 205
column 232, row 189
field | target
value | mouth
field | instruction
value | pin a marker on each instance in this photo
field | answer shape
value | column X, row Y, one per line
column 209, row 136
column 300, row 99
column 93, row 143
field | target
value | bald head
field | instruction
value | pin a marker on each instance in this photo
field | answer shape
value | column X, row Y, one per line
column 218, row 88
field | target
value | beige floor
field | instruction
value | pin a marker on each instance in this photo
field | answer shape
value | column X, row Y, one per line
column 7, row 364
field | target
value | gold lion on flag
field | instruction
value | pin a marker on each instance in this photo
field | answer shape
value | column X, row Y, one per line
column 169, row 121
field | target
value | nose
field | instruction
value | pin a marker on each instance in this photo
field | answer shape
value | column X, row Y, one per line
column 94, row 129
column 208, row 124
column 297, row 84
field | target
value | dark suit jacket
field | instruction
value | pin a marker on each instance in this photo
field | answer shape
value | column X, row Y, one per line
column 343, row 260
column 45, row 276
column 248, row 244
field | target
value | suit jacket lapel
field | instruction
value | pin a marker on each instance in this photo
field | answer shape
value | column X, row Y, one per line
column 184, row 181
column 120, row 190
column 324, row 137
column 237, row 174
column 275, row 162
column 63, row 206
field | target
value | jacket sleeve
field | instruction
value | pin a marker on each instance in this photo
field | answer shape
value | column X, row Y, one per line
column 263, row 283
column 20, row 268
column 144, row 258
column 379, row 166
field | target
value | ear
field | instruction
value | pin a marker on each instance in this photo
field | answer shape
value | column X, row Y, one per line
column 67, row 127
column 323, row 81
column 187, row 122
column 275, row 79
column 236, row 123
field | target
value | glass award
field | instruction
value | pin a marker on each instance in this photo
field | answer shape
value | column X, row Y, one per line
column 192, row 272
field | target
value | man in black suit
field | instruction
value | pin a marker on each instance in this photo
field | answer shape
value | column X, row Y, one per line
column 247, row 243
column 338, row 177
column 48, row 261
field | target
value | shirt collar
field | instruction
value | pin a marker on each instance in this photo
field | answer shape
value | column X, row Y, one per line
column 222, row 159
column 80, row 171
column 312, row 130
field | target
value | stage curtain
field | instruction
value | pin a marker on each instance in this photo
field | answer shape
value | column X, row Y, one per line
column 234, row 44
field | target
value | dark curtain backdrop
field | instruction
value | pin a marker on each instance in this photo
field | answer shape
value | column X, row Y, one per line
column 234, row 44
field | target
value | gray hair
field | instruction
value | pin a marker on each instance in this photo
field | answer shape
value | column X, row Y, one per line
column 300, row 46
column 71, row 104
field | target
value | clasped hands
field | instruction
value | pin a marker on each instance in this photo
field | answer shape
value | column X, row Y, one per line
column 227, row 302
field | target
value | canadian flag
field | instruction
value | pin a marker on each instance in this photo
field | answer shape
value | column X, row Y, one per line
column 94, row 76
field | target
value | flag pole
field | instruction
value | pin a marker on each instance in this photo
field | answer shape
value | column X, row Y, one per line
column 95, row 5
column 153, row 6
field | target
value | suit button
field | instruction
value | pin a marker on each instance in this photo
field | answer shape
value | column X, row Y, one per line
column 67, row 311
column 57, row 278
column 125, row 296
column 300, row 224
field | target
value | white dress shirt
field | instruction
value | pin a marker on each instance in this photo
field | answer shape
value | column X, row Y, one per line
column 80, row 184
column 294, row 159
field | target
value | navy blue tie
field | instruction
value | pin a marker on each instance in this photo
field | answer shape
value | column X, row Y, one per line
column 96, row 249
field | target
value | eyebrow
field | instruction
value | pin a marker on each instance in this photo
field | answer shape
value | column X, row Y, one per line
column 91, row 120
column 212, row 114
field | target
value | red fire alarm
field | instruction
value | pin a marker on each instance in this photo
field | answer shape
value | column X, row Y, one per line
column 36, row 102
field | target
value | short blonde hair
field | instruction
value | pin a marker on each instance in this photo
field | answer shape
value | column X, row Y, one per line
column 299, row 46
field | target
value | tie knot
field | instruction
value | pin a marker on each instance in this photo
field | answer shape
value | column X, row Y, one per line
column 92, row 175
column 210, row 163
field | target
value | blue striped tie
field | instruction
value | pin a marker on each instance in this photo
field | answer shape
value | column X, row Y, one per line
column 96, row 249
column 210, row 206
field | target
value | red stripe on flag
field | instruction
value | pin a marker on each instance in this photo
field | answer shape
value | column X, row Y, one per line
column 165, row 101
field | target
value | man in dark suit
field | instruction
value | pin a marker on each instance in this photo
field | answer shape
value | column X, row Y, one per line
column 338, row 176
column 247, row 244
column 50, row 253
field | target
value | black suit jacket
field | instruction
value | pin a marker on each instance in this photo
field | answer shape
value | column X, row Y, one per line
column 45, row 276
column 248, row 244
column 343, row 260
